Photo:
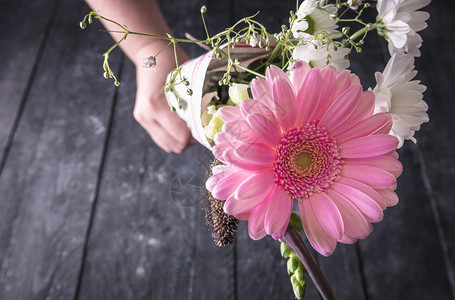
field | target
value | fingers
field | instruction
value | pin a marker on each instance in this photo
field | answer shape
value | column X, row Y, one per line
column 166, row 128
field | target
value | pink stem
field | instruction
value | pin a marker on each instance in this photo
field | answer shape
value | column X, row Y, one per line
column 293, row 239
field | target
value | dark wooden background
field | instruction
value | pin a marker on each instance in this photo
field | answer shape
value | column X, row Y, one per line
column 90, row 208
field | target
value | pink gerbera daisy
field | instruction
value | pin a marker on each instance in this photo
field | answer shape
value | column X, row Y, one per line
column 311, row 137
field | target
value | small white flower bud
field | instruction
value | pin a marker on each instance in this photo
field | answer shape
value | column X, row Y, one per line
column 149, row 62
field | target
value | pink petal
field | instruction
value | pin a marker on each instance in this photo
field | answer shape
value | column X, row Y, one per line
column 366, row 105
column 372, row 176
column 364, row 203
column 278, row 212
column 223, row 138
column 390, row 196
column 341, row 109
column 257, row 235
column 355, row 224
column 328, row 75
column 279, row 234
column 256, row 153
column 232, row 159
column 230, row 113
column 256, row 185
column 273, row 72
column 256, row 219
column 265, row 129
column 262, row 91
column 328, row 215
column 285, row 103
column 218, row 151
column 317, row 236
column 364, row 109
column 220, row 168
column 236, row 208
column 226, row 187
column 367, row 190
column 369, row 146
column 365, row 127
column 343, row 82
column 298, row 75
column 241, row 131
column 214, row 179
column 386, row 128
column 355, row 80
column 386, row 162
column 250, row 106
column 308, row 96
column 347, row 239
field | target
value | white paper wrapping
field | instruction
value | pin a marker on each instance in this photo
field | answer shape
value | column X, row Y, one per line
column 202, row 73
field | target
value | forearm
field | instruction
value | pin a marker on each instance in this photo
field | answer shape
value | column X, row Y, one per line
column 142, row 16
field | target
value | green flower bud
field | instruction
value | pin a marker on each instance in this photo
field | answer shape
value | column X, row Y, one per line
column 215, row 123
column 238, row 92
column 296, row 222
column 299, row 289
column 293, row 264
column 83, row 25
column 205, row 118
column 285, row 250
column 203, row 9
column 300, row 274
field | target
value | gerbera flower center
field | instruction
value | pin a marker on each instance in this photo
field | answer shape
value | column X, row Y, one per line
column 303, row 160
column 308, row 161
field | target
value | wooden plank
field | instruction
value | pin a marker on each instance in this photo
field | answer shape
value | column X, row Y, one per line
column 149, row 239
column 402, row 258
column 262, row 272
column 19, row 61
column 436, row 141
column 49, row 179
column 343, row 272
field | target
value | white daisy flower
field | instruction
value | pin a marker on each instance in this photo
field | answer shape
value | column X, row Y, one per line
column 401, row 21
column 313, row 17
column 401, row 96
column 318, row 55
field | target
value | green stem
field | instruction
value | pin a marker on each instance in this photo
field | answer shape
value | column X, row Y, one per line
column 274, row 53
column 362, row 31
column 205, row 26
column 249, row 71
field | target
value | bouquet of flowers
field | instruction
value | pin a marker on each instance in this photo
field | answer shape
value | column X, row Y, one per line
column 287, row 121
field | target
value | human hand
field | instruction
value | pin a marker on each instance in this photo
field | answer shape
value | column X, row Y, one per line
column 151, row 109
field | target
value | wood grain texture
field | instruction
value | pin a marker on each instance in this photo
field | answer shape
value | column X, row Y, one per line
column 21, row 45
column 436, row 141
column 149, row 240
column 402, row 257
column 49, row 179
